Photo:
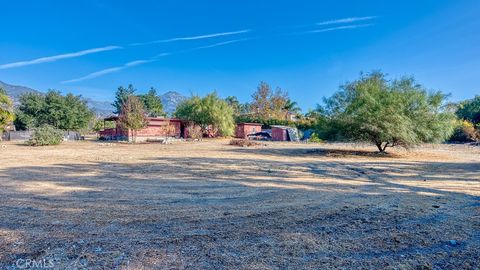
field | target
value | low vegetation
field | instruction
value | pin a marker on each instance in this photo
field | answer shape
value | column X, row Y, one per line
column 46, row 135
column 314, row 138
column 465, row 131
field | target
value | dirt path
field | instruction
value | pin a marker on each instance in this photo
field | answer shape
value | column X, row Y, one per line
column 91, row 205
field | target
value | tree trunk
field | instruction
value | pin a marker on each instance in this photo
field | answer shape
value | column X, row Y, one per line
column 379, row 146
column 385, row 146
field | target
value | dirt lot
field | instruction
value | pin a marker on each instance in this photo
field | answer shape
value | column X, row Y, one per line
column 211, row 205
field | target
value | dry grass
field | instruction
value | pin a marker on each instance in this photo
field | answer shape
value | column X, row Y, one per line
column 207, row 204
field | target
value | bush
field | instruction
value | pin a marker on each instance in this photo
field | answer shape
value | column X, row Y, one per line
column 194, row 131
column 46, row 135
column 465, row 132
column 315, row 139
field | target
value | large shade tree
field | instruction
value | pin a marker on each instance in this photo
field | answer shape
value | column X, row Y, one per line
column 67, row 112
column 388, row 113
column 209, row 111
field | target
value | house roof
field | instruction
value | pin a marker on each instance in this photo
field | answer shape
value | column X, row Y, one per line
column 115, row 118
column 251, row 124
column 282, row 127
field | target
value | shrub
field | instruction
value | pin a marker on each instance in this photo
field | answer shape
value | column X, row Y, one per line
column 465, row 132
column 194, row 131
column 314, row 138
column 46, row 135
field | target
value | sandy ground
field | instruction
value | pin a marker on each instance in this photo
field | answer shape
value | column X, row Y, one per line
column 203, row 205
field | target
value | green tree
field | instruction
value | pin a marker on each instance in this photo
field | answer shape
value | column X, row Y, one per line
column 470, row 110
column 67, row 112
column 233, row 102
column 6, row 111
column 292, row 106
column 388, row 113
column 238, row 107
column 121, row 97
column 31, row 111
column 208, row 112
column 132, row 115
column 152, row 103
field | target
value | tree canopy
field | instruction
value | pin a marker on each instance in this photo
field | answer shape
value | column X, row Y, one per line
column 388, row 113
column 67, row 112
column 209, row 111
column 152, row 103
column 470, row 110
column 6, row 110
column 269, row 104
column 121, row 97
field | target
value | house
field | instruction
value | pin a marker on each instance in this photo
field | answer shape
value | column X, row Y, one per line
column 157, row 128
column 244, row 129
column 284, row 133
column 291, row 116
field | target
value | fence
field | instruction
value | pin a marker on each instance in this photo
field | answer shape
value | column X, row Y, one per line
column 25, row 135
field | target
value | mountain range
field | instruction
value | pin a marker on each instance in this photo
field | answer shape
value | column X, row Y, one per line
column 170, row 99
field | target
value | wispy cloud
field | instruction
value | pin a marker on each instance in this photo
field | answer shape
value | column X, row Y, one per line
column 353, row 26
column 109, row 48
column 109, row 70
column 347, row 20
column 194, row 37
column 58, row 57
column 141, row 62
column 223, row 43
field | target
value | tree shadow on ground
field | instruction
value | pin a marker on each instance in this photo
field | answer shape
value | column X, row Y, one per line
column 214, row 212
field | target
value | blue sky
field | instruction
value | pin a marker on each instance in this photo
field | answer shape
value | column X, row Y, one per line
column 308, row 48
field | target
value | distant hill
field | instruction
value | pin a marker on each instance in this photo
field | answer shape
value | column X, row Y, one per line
column 101, row 108
column 170, row 99
column 15, row 91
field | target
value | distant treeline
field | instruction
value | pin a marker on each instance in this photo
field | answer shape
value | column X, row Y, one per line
column 373, row 108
